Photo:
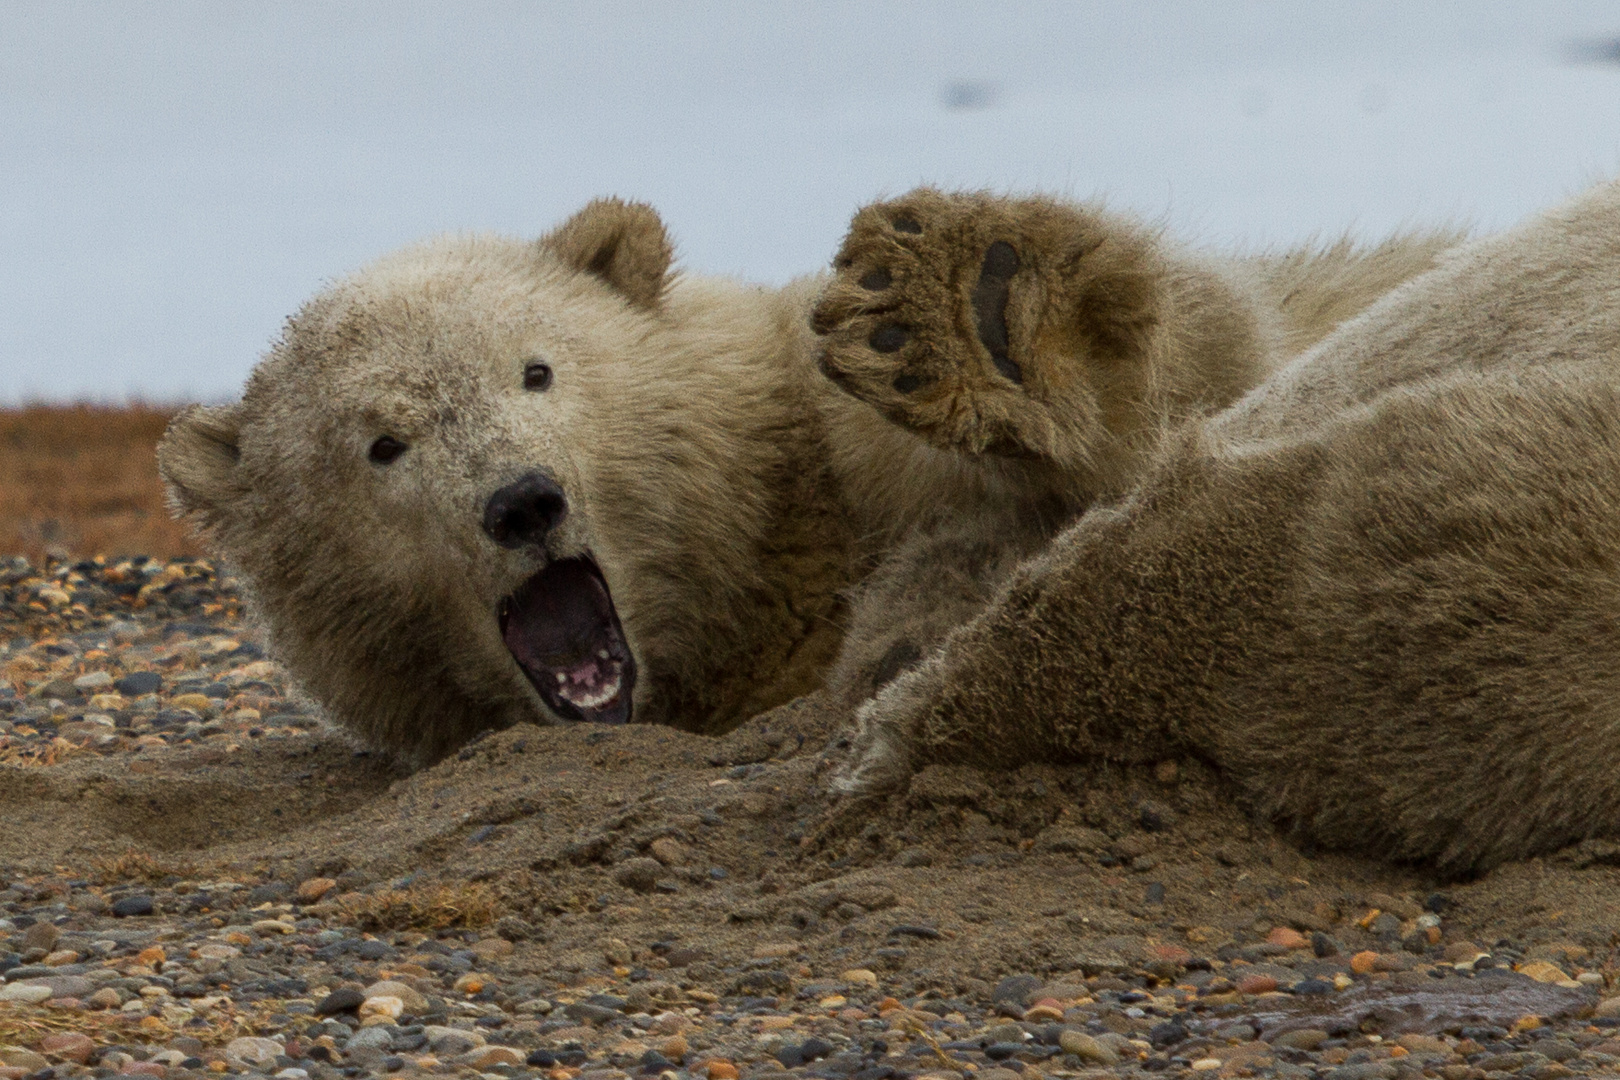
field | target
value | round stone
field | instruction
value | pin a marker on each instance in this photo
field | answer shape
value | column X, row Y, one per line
column 27, row 993
column 339, row 1001
column 384, row 1006
column 132, row 905
column 1086, row 1048
column 137, row 683
column 252, row 1050
column 638, row 875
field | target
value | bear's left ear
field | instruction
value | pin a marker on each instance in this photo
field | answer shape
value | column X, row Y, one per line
column 623, row 243
column 198, row 459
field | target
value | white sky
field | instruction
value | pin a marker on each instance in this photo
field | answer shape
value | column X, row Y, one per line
column 176, row 178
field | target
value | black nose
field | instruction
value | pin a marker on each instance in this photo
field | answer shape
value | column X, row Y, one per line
column 523, row 512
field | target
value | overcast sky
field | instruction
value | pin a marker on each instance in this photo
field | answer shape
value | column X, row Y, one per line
column 175, row 178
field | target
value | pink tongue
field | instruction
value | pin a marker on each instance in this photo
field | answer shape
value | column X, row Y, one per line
column 587, row 676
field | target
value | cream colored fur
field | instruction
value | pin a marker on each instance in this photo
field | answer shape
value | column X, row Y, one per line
column 729, row 492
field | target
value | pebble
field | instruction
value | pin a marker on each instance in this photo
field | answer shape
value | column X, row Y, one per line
column 376, row 1037
column 408, row 996
column 19, row 1058
column 668, row 851
column 70, row 1045
column 313, row 889
column 42, row 935
column 1288, row 938
column 639, row 874
column 340, row 1001
column 1301, row 1038
column 381, row 1008
column 1542, row 971
column 25, row 992
column 251, row 1050
column 132, row 905
column 139, row 683
column 1087, row 1048
column 486, row 1056
column 92, row 682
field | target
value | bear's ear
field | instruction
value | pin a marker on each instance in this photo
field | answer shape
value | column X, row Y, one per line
column 198, row 458
column 623, row 243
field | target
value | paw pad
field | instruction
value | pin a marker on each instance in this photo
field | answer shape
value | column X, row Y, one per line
column 990, row 294
column 888, row 338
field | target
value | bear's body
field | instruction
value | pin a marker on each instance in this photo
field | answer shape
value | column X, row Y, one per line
column 1381, row 593
column 663, row 522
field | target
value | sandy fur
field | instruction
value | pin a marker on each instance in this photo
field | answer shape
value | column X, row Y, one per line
column 730, row 492
column 1379, row 592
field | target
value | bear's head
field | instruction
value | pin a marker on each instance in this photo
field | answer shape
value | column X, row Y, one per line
column 475, row 484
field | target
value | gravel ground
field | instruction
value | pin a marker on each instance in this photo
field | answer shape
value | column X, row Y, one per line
column 197, row 877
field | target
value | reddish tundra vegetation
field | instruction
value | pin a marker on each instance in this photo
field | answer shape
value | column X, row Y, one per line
column 82, row 480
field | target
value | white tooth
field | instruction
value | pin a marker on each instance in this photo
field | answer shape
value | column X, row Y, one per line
column 600, row 698
column 602, row 654
column 561, row 678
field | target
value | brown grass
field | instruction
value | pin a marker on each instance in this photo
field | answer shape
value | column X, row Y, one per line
column 421, row 907
column 82, row 480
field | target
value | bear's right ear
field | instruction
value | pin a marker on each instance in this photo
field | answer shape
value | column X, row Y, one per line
column 622, row 243
column 198, row 458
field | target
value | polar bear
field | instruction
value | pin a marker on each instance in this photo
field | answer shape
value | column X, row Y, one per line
column 486, row 480
column 1381, row 592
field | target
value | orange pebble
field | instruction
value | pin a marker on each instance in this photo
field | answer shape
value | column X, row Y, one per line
column 1257, row 984
column 887, row 1004
column 1398, row 1051
column 1362, row 963
column 153, row 955
column 1288, row 938
column 722, row 1070
column 1044, row 1010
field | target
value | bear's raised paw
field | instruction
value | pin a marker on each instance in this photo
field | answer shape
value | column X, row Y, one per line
column 979, row 322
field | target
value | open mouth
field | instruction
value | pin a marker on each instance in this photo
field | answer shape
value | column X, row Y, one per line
column 561, row 628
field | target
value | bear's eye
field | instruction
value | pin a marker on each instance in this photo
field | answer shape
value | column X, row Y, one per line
column 536, row 376
column 386, row 449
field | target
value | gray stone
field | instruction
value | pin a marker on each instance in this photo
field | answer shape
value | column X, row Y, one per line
column 371, row 1038
column 1015, row 989
column 74, row 986
column 139, row 683
column 132, row 905
column 1301, row 1038
column 42, row 935
column 591, row 1014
